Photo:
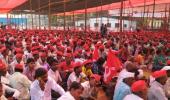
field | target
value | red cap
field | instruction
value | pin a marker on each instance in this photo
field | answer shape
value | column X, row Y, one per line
column 19, row 66
column 18, row 50
column 35, row 52
column 3, row 49
column 59, row 53
column 96, row 76
column 158, row 74
column 87, row 62
column 101, row 47
column 139, row 85
column 19, row 55
column 77, row 64
column 2, row 65
column 68, row 55
column 43, row 54
column 69, row 49
column 168, row 62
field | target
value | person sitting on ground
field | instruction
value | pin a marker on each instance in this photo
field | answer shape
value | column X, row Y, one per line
column 74, row 92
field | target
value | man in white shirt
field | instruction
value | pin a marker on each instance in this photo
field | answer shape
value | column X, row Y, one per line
column 75, row 75
column 90, row 85
column 74, row 92
column 20, row 82
column 53, row 72
column 42, row 86
column 156, row 91
column 139, row 91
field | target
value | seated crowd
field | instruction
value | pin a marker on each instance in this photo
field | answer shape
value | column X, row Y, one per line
column 73, row 65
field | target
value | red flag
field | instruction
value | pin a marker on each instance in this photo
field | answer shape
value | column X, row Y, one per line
column 113, row 65
column 95, row 54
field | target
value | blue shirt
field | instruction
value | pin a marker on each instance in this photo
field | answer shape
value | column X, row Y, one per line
column 121, row 91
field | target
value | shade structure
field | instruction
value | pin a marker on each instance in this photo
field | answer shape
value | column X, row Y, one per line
column 112, row 6
column 8, row 5
column 57, row 6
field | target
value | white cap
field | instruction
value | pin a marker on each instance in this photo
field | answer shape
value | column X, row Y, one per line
column 166, row 68
column 140, row 73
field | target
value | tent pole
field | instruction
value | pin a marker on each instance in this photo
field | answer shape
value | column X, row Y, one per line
column 153, row 15
column 73, row 21
column 56, row 22
column 39, row 19
column 26, row 23
column 31, row 13
column 121, row 15
column 49, row 14
column 64, row 15
column 165, row 19
column 144, row 9
column 101, row 9
column 18, row 21
column 22, row 22
column 85, row 16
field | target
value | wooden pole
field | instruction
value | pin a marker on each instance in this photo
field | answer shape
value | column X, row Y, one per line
column 64, row 15
column 7, row 19
column 49, row 14
column 26, row 23
column 56, row 21
column 144, row 9
column 22, row 22
column 18, row 22
column 73, row 21
column 44, row 21
column 31, row 14
column 153, row 15
column 147, row 18
column 39, row 18
column 101, row 9
column 165, row 19
column 121, row 15
column 85, row 16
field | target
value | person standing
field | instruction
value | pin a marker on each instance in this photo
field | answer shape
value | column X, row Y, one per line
column 139, row 91
column 156, row 91
column 102, row 30
column 20, row 82
column 123, row 88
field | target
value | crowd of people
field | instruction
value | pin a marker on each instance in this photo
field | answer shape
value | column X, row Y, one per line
column 75, row 65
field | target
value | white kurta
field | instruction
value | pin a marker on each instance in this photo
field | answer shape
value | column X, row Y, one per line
column 132, row 97
column 66, row 96
column 38, row 94
column 72, row 78
column 7, row 88
column 21, row 83
column 156, row 92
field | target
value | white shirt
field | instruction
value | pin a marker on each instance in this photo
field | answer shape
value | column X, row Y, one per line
column 66, row 96
column 55, row 75
column 86, row 91
column 7, row 88
column 21, row 83
column 156, row 92
column 132, row 97
column 72, row 78
column 38, row 94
